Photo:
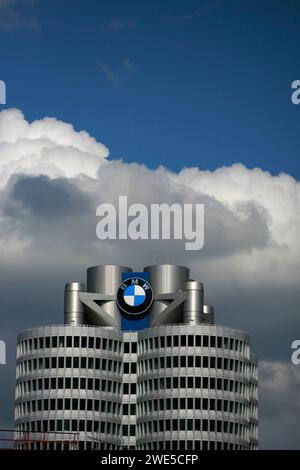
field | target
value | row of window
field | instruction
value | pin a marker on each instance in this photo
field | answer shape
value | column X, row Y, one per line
column 157, row 405
column 83, row 342
column 68, row 383
column 206, row 362
column 191, row 445
column 70, row 425
column 110, row 386
column 66, row 362
column 145, row 345
column 204, row 341
column 145, row 366
column 72, row 404
column 208, row 425
column 143, row 429
column 210, row 404
column 190, row 382
column 156, row 445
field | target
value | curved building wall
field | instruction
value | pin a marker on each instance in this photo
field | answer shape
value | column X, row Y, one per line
column 253, row 412
column 68, row 387
column 193, row 388
column 170, row 387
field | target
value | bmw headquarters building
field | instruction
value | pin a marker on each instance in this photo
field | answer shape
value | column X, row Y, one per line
column 138, row 364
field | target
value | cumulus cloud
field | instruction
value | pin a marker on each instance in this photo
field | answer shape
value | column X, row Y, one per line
column 46, row 147
column 53, row 177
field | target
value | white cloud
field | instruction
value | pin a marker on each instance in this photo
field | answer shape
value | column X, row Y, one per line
column 252, row 218
column 46, row 147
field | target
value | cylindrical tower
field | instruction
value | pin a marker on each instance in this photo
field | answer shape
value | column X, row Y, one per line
column 208, row 314
column 193, row 305
column 165, row 279
column 193, row 388
column 74, row 309
column 69, row 388
column 105, row 280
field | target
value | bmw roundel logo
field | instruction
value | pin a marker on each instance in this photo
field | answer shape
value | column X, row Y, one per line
column 134, row 296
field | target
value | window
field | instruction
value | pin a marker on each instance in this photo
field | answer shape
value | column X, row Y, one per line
column 61, row 342
column 69, row 341
column 182, row 340
column 126, row 348
column 75, row 383
column 91, row 363
column 52, row 404
column 190, row 340
column 83, row 383
column 74, row 425
column 68, row 362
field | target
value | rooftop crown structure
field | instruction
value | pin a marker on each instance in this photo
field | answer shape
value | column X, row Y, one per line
column 100, row 381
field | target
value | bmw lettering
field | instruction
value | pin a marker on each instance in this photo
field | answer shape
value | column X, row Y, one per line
column 134, row 296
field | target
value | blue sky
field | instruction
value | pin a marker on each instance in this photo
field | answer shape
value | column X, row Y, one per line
column 193, row 83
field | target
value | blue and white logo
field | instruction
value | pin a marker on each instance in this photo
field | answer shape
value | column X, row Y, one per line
column 134, row 296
